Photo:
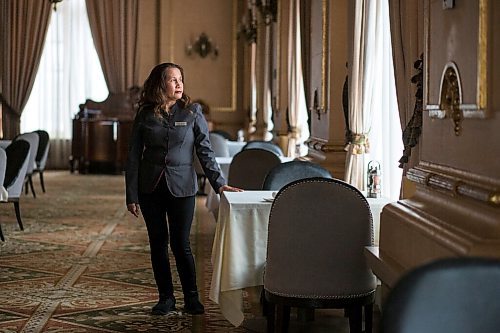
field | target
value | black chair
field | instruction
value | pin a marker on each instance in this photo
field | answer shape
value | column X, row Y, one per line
column 249, row 168
column 287, row 172
column 41, row 155
column 267, row 145
column 17, row 165
column 318, row 229
column 459, row 295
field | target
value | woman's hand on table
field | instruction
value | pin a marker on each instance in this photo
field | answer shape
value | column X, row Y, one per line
column 229, row 189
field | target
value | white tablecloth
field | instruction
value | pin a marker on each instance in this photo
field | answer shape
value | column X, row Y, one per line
column 239, row 249
column 240, row 246
column 376, row 206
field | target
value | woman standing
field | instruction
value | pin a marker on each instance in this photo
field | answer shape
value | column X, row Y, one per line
column 161, row 180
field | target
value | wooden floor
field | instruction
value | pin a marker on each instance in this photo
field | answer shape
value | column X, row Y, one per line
column 82, row 265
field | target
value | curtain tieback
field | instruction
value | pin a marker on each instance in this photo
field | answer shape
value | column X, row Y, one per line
column 294, row 133
column 360, row 144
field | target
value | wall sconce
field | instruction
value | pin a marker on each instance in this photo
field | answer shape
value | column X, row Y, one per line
column 203, row 46
column 247, row 27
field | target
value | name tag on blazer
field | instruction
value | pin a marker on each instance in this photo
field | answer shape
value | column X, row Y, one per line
column 180, row 123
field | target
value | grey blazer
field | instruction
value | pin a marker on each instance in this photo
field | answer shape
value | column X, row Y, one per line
column 164, row 147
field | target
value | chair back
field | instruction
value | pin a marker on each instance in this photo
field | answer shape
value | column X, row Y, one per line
column 287, row 172
column 33, row 140
column 43, row 149
column 318, row 229
column 223, row 133
column 3, row 165
column 249, row 168
column 456, row 295
column 17, row 165
column 267, row 145
column 219, row 145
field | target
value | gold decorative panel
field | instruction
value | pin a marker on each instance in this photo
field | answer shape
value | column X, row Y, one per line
column 213, row 79
column 449, row 37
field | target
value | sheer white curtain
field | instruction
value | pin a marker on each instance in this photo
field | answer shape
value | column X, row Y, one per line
column 69, row 74
column 374, row 112
column 385, row 134
column 297, row 112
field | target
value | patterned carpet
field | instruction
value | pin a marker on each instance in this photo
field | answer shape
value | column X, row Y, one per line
column 82, row 264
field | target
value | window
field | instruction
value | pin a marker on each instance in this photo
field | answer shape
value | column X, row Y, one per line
column 69, row 73
column 385, row 136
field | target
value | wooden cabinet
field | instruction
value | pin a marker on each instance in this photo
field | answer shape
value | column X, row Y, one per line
column 101, row 132
column 100, row 145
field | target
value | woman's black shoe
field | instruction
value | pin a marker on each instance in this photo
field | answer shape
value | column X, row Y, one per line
column 163, row 307
column 192, row 304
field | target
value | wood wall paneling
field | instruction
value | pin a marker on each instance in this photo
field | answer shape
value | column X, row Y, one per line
column 456, row 208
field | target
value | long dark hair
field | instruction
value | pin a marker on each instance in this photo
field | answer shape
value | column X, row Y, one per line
column 153, row 94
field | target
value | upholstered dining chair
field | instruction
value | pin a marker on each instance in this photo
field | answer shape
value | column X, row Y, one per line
column 249, row 168
column 459, row 295
column 41, row 155
column 17, row 165
column 219, row 145
column 220, row 148
column 3, row 167
column 287, row 172
column 33, row 140
column 267, row 145
column 223, row 133
column 318, row 228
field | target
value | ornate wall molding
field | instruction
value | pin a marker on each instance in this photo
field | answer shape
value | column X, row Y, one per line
column 454, row 186
column 476, row 109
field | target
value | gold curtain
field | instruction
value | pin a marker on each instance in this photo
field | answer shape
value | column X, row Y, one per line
column 114, row 25
column 359, row 122
column 22, row 36
column 297, row 109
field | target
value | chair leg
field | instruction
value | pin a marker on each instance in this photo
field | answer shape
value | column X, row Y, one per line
column 1, row 234
column 18, row 214
column 30, row 180
column 264, row 303
column 41, row 181
column 271, row 316
column 355, row 319
column 283, row 318
column 369, row 318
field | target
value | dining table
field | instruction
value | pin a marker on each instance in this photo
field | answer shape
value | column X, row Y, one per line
column 213, row 198
column 240, row 247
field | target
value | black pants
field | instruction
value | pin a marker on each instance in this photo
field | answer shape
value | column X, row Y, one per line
column 155, row 207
